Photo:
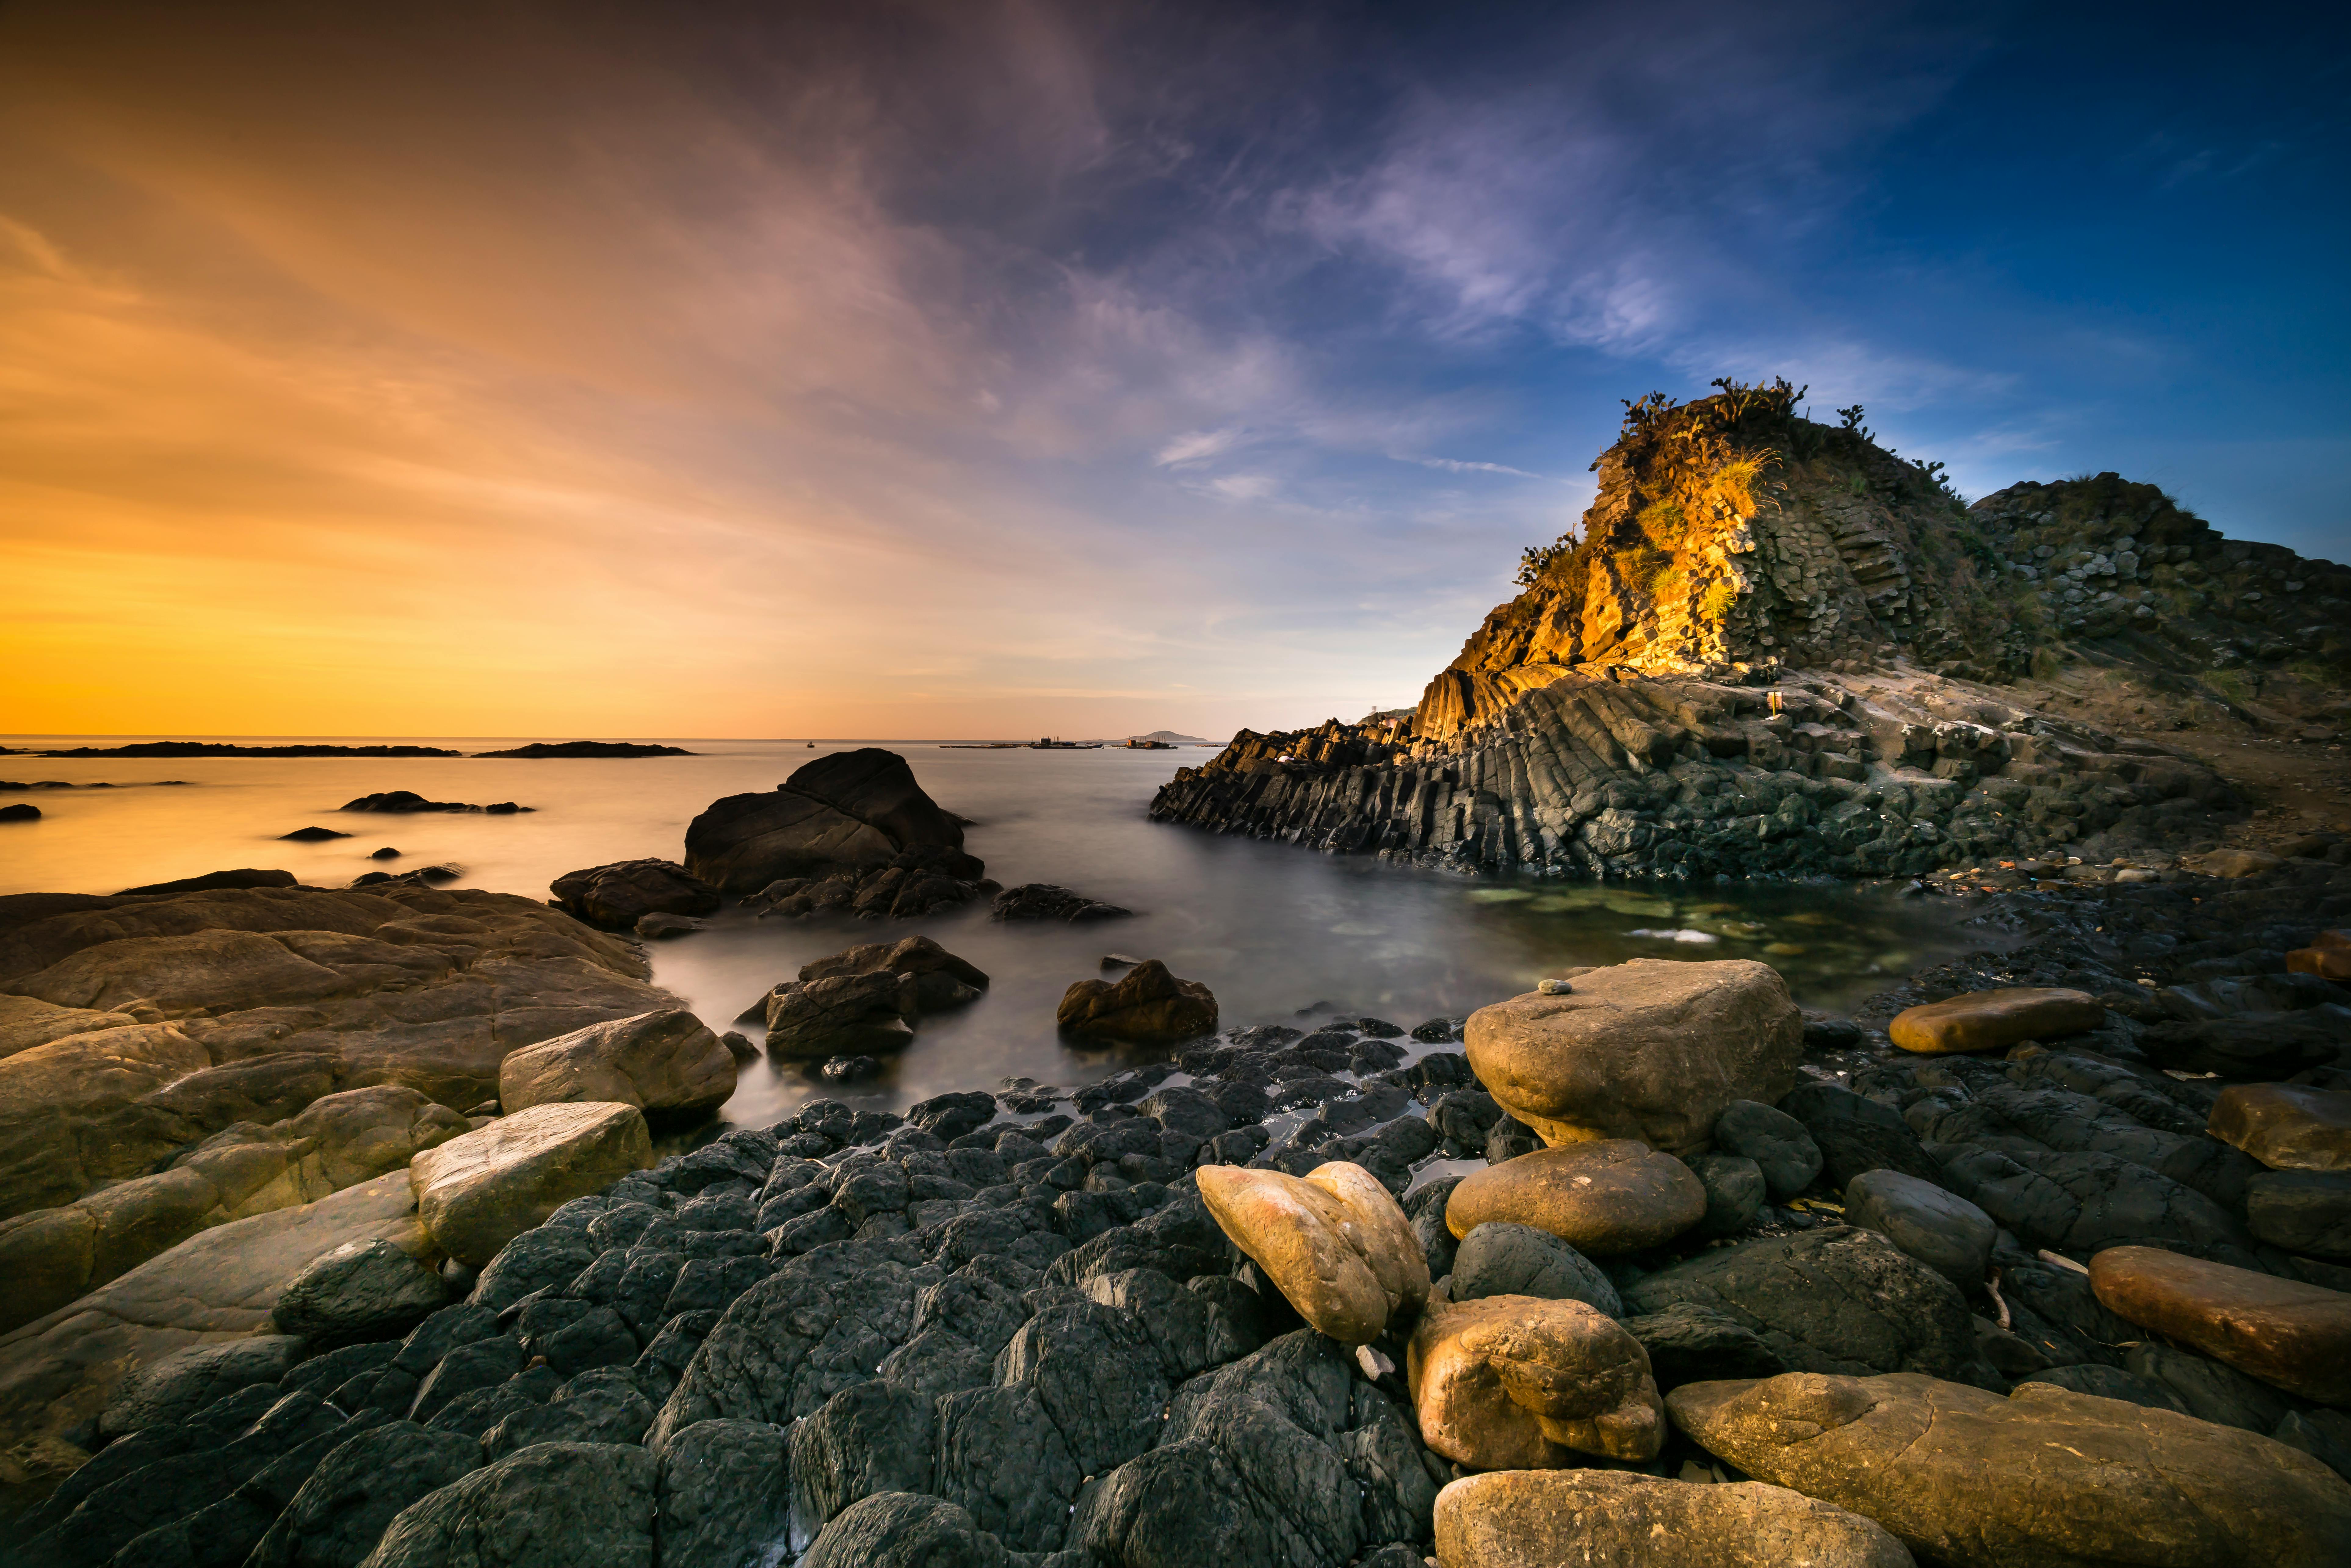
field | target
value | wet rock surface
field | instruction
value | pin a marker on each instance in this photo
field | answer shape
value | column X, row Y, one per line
column 1006, row 1326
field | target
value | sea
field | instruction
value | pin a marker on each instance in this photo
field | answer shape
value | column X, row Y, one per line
column 1280, row 934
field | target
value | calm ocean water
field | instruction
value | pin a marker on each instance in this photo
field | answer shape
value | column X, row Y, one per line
column 1272, row 929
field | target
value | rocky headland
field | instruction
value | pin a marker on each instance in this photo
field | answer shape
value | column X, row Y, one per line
column 1775, row 649
column 337, row 1234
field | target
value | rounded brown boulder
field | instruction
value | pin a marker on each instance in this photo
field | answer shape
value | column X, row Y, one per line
column 1519, row 1383
column 1604, row 1519
column 1651, row 1049
column 1149, row 1006
column 1333, row 1242
column 2286, row 1126
column 2295, row 1336
column 1618, row 1196
column 1995, row 1020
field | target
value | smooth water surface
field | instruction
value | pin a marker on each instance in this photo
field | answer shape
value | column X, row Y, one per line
column 1271, row 929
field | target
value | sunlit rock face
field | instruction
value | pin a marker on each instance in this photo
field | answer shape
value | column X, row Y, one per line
column 1777, row 649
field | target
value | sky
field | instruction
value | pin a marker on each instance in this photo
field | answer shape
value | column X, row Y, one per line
column 1005, row 367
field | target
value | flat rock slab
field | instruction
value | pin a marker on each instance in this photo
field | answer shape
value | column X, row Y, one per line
column 1618, row 1196
column 1609, row 1518
column 1651, row 1048
column 2286, row 1126
column 1333, row 1242
column 477, row 1193
column 2047, row 1476
column 2294, row 1336
column 219, row 1285
column 1995, row 1020
column 1518, row 1382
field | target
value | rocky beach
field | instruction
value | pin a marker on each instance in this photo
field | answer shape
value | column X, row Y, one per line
column 399, row 1224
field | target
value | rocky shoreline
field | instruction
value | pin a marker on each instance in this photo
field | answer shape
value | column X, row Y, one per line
column 1018, row 1326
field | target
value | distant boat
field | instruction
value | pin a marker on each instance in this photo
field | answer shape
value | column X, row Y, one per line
column 1050, row 743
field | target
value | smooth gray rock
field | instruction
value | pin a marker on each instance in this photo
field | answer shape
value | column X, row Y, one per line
column 342, row 1509
column 361, row 1291
column 1776, row 1141
column 1938, row 1227
column 724, row 1495
column 2111, row 1383
column 1499, row 1258
column 903, row 1529
column 2301, row 1211
column 1839, row 1300
column 1734, row 1190
column 558, row 1505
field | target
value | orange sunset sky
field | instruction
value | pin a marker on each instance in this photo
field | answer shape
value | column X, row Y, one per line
column 902, row 370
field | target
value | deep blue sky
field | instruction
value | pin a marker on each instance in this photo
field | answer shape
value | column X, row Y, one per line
column 1008, row 365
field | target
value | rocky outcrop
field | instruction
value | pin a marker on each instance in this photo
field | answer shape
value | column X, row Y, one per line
column 172, row 1063
column 50, row 1256
column 854, row 811
column 220, row 1285
column 617, row 896
column 538, row 749
column 1772, row 653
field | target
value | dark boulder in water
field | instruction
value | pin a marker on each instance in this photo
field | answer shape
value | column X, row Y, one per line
column 853, row 810
column 312, row 835
column 1044, row 900
column 617, row 896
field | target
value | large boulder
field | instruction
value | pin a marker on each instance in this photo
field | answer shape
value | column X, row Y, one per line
column 1148, row 1007
column 2047, row 1476
column 1619, row 1196
column 2295, row 1336
column 721, row 1488
column 405, row 986
column 1333, row 1243
column 2285, row 1125
column 853, row 810
column 1047, row 901
column 477, row 1193
column 810, row 1020
column 1995, row 1020
column 1516, row 1383
column 659, row 1062
column 617, row 896
column 1840, row 1300
column 1651, row 1049
column 1610, row 1519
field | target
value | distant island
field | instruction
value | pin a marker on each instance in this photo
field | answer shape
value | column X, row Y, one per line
column 1172, row 738
column 587, row 748
column 222, row 748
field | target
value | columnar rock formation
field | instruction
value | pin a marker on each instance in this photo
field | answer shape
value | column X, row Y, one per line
column 1777, row 649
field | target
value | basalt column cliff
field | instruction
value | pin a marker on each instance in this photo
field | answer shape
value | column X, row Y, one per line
column 1778, row 649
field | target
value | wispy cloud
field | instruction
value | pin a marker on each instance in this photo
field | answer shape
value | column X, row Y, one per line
column 1457, row 466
